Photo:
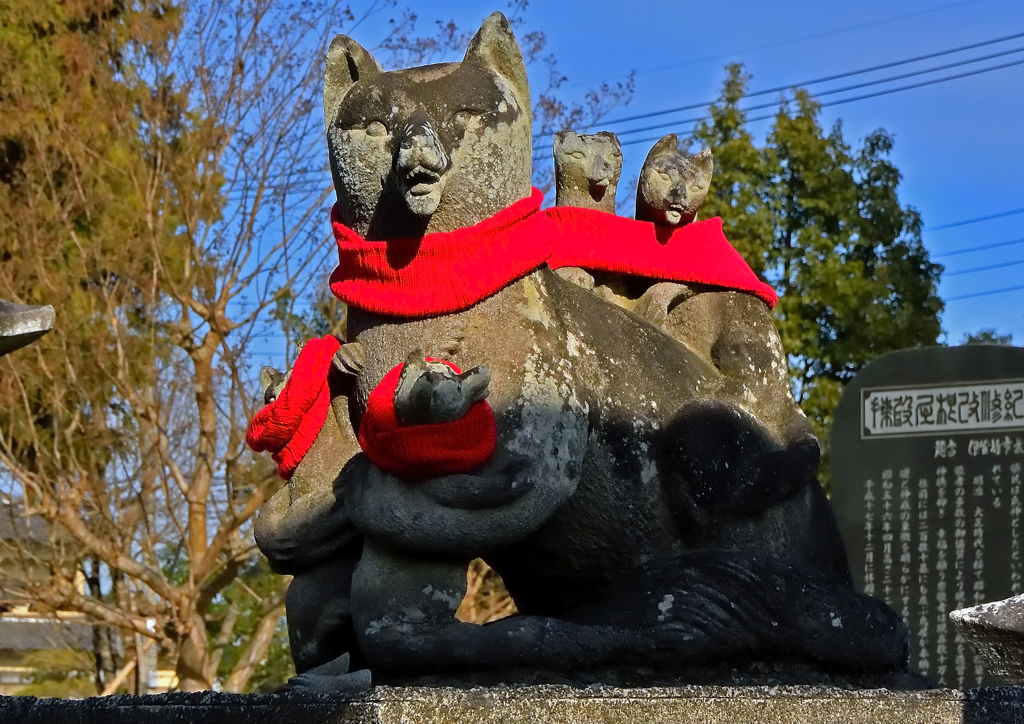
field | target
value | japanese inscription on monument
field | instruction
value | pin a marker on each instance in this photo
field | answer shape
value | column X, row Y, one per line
column 928, row 455
column 930, row 410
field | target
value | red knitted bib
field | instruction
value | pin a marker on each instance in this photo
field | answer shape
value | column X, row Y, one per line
column 418, row 452
column 450, row 271
column 443, row 272
column 447, row 272
column 288, row 426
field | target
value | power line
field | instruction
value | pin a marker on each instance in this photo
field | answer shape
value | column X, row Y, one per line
column 836, row 90
column 854, row 98
column 325, row 172
column 977, row 248
column 823, row 79
column 984, row 294
column 544, row 154
column 984, row 268
column 784, row 42
column 1000, row 215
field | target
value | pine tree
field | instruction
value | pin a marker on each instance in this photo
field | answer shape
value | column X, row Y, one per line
column 822, row 221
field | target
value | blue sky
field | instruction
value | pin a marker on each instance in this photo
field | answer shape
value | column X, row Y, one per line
column 959, row 144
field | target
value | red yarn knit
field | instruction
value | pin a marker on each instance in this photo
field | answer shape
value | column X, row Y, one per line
column 447, row 272
column 443, row 272
column 288, row 426
column 697, row 252
column 418, row 452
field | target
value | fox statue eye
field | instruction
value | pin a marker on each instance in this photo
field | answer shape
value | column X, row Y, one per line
column 695, row 188
column 376, row 129
column 463, row 117
column 578, row 155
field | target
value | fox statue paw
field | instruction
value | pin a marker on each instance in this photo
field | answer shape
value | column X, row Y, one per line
column 432, row 392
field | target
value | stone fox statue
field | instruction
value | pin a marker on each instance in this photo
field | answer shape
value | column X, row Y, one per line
column 672, row 183
column 647, row 502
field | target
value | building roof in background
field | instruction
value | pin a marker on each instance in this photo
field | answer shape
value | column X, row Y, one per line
column 15, row 526
column 32, row 634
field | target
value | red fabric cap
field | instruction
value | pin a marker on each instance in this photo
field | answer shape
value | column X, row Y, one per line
column 697, row 252
column 419, row 452
column 288, row 426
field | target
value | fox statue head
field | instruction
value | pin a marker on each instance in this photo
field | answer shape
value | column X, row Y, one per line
column 428, row 149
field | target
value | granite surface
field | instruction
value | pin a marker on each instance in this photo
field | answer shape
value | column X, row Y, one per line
column 553, row 704
column 996, row 633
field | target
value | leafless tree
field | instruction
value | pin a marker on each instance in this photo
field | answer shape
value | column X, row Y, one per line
column 164, row 184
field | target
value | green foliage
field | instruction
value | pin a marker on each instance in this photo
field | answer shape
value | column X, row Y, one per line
column 248, row 594
column 74, row 227
column 276, row 667
column 822, row 221
column 987, row 335
column 62, row 673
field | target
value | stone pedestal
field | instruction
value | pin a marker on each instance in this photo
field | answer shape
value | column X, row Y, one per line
column 542, row 704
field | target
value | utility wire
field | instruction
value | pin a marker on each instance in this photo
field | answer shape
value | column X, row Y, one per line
column 1000, row 215
column 984, row 268
column 823, row 105
column 854, row 98
column 984, row 294
column 823, row 79
column 782, row 43
column 774, row 103
column 794, row 85
column 834, row 90
column 544, row 154
column 977, row 248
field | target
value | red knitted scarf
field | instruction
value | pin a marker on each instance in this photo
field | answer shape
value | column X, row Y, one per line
column 447, row 272
column 418, row 452
column 288, row 426
column 450, row 271
column 443, row 272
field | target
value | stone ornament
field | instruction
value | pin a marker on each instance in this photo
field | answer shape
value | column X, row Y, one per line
column 650, row 502
column 996, row 633
column 22, row 324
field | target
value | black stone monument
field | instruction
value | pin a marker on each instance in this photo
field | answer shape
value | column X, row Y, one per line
column 927, row 457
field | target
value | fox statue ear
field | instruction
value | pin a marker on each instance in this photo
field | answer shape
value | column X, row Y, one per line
column 347, row 62
column 666, row 144
column 705, row 161
column 495, row 47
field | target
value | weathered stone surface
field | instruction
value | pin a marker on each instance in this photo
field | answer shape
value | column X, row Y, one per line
column 587, row 169
column 672, row 183
column 652, row 497
column 550, row 704
column 996, row 633
column 21, row 325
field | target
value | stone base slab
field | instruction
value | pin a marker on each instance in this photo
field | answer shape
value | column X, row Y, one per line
column 536, row 704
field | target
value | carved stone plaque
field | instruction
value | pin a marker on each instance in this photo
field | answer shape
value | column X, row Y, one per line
column 927, row 457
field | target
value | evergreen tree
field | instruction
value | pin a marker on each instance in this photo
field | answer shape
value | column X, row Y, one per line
column 822, row 221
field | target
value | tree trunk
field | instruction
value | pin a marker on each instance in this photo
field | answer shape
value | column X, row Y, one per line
column 193, row 668
column 255, row 651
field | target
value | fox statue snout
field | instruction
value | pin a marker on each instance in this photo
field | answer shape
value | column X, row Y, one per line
column 420, row 165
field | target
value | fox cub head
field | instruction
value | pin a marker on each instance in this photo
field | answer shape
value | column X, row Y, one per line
column 427, row 149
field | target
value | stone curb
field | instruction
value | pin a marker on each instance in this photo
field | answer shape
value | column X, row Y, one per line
column 533, row 704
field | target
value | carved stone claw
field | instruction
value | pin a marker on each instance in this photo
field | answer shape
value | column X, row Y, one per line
column 658, row 302
column 431, row 392
column 350, row 359
column 577, row 276
column 333, row 677
column 272, row 382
